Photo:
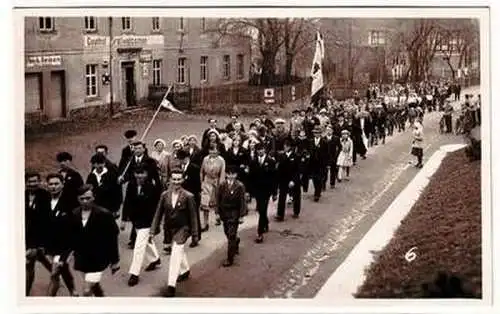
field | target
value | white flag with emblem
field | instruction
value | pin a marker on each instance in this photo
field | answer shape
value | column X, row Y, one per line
column 167, row 104
column 317, row 66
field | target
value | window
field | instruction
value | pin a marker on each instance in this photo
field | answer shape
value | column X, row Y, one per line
column 90, row 24
column 181, row 71
column 240, row 66
column 226, row 67
column 126, row 24
column 91, row 79
column 203, row 24
column 46, row 24
column 156, row 23
column 376, row 38
column 181, row 24
column 156, row 72
column 204, row 68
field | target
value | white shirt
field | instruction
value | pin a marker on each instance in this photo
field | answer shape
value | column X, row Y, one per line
column 184, row 167
column 99, row 175
column 175, row 197
column 31, row 199
column 138, row 159
column 139, row 189
column 53, row 203
column 316, row 141
column 261, row 159
column 288, row 154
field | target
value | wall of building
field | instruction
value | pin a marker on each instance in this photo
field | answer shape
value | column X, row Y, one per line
column 69, row 48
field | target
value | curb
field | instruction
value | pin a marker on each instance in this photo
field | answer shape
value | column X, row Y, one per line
column 350, row 275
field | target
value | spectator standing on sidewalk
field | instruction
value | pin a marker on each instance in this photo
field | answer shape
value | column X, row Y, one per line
column 417, row 148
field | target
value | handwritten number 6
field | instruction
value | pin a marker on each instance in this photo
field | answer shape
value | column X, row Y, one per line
column 411, row 255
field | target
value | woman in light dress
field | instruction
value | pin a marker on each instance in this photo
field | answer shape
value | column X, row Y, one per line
column 172, row 162
column 344, row 161
column 160, row 154
column 212, row 174
column 417, row 148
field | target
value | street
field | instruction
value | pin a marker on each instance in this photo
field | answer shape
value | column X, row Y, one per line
column 297, row 256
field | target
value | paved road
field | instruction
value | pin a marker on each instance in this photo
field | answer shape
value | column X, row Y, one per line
column 297, row 256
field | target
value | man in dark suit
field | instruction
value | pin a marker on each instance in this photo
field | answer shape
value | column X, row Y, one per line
column 103, row 150
column 57, row 234
column 231, row 207
column 104, row 180
column 72, row 179
column 127, row 151
column 141, row 158
column 192, row 184
column 317, row 162
column 263, row 177
column 93, row 239
column 230, row 127
column 288, row 175
column 36, row 215
column 212, row 126
column 334, row 147
column 179, row 209
column 140, row 203
column 310, row 122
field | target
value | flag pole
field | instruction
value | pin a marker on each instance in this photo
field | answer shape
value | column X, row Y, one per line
column 147, row 128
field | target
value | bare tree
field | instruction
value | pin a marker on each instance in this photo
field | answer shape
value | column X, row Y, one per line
column 456, row 40
column 298, row 34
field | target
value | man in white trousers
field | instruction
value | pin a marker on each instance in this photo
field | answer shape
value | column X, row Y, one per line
column 179, row 208
column 141, row 198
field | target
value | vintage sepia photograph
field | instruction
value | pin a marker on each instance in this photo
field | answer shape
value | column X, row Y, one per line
column 196, row 153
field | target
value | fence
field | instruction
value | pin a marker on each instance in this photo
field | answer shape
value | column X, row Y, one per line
column 241, row 94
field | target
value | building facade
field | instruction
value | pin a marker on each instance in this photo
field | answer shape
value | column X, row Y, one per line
column 71, row 61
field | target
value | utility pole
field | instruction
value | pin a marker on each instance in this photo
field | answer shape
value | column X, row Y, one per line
column 110, row 22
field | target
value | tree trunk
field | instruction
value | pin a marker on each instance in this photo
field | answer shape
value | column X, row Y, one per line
column 288, row 68
column 268, row 68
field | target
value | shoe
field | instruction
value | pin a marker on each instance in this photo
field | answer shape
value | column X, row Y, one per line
column 131, row 245
column 204, row 229
column 259, row 239
column 218, row 222
column 237, row 246
column 266, row 229
column 167, row 250
column 332, row 186
column 183, row 277
column 193, row 244
column 169, row 293
column 294, row 216
column 279, row 219
column 133, row 280
column 316, row 199
column 227, row 263
column 363, row 157
column 152, row 266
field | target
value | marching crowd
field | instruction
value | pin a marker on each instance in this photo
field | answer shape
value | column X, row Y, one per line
column 175, row 189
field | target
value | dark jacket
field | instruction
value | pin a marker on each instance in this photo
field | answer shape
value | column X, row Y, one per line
column 108, row 194
column 192, row 180
column 124, row 159
column 319, row 156
column 288, row 169
column 94, row 246
column 151, row 166
column 263, row 177
column 231, row 201
column 140, row 209
column 334, row 147
column 59, row 229
column 72, row 182
column 181, row 220
column 36, row 217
